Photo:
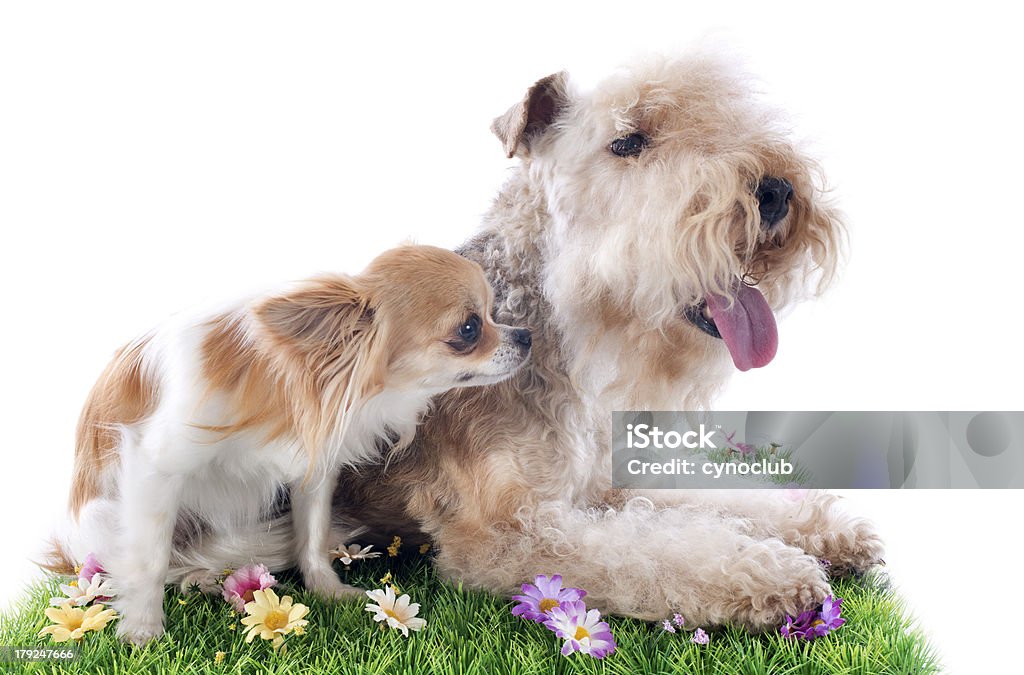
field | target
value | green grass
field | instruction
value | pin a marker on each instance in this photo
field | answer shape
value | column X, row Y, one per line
column 472, row 632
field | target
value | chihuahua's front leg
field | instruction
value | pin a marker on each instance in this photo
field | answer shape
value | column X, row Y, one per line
column 148, row 511
column 311, row 516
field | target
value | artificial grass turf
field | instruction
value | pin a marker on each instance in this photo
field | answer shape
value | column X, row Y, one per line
column 471, row 632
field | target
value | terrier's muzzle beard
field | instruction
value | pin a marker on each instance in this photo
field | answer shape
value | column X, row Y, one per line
column 743, row 320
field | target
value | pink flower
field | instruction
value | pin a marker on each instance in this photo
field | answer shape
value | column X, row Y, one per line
column 700, row 637
column 582, row 631
column 667, row 625
column 744, row 448
column 243, row 582
column 91, row 567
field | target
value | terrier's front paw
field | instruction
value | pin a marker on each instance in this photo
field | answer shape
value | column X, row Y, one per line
column 773, row 581
column 852, row 547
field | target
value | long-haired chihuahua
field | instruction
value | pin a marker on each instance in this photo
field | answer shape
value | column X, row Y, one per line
column 203, row 424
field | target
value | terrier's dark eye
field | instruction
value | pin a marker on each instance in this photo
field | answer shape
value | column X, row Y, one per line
column 629, row 146
column 470, row 331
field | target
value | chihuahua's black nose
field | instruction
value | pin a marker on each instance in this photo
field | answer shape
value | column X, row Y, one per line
column 773, row 195
column 522, row 337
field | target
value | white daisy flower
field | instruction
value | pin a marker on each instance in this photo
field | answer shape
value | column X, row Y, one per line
column 398, row 612
column 352, row 552
column 82, row 591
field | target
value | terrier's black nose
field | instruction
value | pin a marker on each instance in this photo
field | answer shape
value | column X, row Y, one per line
column 773, row 195
column 522, row 337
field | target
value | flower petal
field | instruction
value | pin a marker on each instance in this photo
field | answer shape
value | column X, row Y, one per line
column 377, row 595
column 415, row 623
column 56, row 614
column 60, row 634
column 266, row 598
column 532, row 591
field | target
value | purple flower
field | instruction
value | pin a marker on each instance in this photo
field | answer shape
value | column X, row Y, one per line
column 582, row 630
column 825, row 562
column 667, row 625
column 798, row 627
column 542, row 596
column 828, row 619
column 243, row 582
column 700, row 637
column 678, row 619
column 814, row 624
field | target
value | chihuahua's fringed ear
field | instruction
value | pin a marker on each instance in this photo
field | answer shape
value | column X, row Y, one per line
column 329, row 348
column 313, row 316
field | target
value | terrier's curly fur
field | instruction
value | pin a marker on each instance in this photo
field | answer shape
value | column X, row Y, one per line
column 601, row 255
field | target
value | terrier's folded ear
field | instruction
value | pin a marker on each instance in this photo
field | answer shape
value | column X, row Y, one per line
column 533, row 115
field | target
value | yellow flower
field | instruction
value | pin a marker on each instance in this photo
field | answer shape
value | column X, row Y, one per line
column 396, row 544
column 232, row 626
column 72, row 623
column 424, row 548
column 271, row 618
column 218, row 658
column 386, row 578
column 182, row 601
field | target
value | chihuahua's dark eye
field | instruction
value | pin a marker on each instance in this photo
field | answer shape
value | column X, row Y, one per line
column 470, row 331
column 629, row 146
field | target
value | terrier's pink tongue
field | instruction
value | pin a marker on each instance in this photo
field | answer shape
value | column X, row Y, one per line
column 748, row 327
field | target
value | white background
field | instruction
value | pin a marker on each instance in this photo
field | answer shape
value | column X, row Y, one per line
column 151, row 157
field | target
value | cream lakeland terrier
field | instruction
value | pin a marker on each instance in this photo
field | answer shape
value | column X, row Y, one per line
column 648, row 233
